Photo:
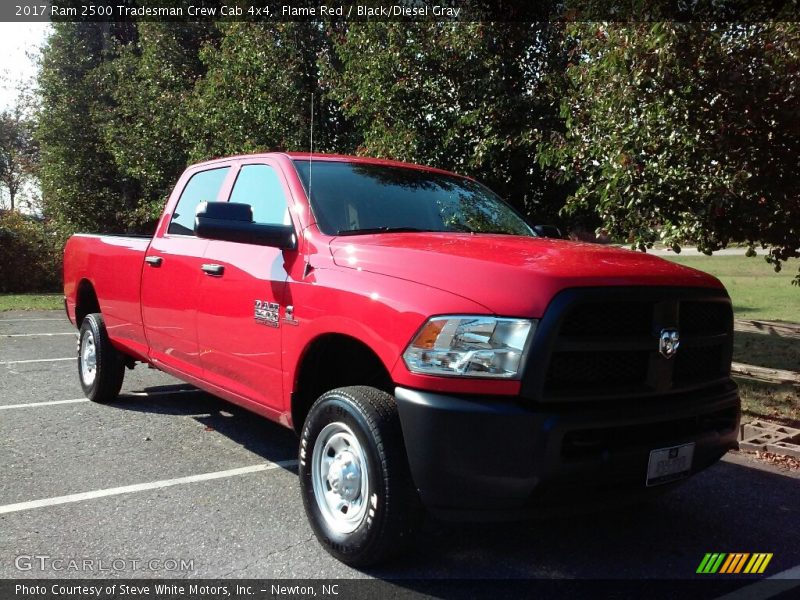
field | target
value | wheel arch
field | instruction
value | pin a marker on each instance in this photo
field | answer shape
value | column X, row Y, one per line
column 86, row 301
column 333, row 360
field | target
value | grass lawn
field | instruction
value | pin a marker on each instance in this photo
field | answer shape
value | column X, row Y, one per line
column 31, row 301
column 757, row 291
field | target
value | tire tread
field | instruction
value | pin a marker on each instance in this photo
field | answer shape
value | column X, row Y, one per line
column 403, row 507
column 110, row 366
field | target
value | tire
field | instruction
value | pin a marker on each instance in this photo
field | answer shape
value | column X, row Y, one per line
column 100, row 366
column 360, row 520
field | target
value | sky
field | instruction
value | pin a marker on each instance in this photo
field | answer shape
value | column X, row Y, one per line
column 16, row 41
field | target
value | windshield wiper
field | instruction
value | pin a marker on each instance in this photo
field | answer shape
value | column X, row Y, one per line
column 382, row 230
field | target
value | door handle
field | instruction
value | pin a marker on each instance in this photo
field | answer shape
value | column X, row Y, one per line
column 153, row 261
column 214, row 270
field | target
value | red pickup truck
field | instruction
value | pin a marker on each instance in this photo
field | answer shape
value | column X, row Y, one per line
column 429, row 347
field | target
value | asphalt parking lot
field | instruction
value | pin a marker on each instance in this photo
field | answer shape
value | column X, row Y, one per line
column 142, row 466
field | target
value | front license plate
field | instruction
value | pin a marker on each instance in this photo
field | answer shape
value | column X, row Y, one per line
column 669, row 464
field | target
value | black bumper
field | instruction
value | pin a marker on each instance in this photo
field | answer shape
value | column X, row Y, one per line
column 485, row 456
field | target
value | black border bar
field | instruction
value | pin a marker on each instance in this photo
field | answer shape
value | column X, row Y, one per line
column 389, row 589
column 400, row 10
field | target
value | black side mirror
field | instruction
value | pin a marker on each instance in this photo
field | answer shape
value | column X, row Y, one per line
column 548, row 231
column 233, row 222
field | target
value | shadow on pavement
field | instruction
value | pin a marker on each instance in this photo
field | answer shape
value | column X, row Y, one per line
column 261, row 436
column 731, row 507
column 767, row 350
column 728, row 508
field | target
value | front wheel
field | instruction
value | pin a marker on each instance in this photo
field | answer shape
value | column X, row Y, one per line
column 100, row 366
column 354, row 476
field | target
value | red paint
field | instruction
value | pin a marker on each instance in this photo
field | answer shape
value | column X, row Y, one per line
column 378, row 289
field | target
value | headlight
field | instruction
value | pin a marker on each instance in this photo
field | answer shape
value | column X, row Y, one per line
column 465, row 346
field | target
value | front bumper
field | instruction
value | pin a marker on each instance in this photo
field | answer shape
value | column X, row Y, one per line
column 492, row 456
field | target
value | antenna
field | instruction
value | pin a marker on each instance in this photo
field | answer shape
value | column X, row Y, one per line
column 308, row 268
column 311, row 146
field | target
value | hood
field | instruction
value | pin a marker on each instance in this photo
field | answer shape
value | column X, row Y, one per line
column 509, row 275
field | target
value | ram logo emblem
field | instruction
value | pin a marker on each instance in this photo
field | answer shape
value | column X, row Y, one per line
column 668, row 341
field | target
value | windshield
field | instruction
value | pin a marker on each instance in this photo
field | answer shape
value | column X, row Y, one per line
column 354, row 198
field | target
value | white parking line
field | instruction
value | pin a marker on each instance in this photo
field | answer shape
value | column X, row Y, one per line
column 768, row 587
column 46, row 403
column 793, row 573
column 35, row 360
column 123, row 395
column 17, row 335
column 142, row 487
column 30, row 320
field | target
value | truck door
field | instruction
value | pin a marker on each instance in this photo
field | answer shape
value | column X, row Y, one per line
column 171, row 277
column 242, row 295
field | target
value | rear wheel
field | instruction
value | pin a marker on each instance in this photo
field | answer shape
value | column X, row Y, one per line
column 354, row 476
column 100, row 366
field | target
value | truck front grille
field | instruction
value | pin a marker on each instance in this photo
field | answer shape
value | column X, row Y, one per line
column 602, row 347
column 701, row 318
column 698, row 364
column 577, row 370
column 603, row 318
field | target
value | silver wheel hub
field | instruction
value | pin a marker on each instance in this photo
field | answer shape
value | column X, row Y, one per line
column 339, row 478
column 88, row 358
column 344, row 476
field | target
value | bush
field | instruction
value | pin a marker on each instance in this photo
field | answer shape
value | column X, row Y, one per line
column 31, row 255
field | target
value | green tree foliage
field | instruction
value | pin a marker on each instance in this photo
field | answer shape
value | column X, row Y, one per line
column 154, row 97
column 19, row 152
column 467, row 97
column 147, row 85
column 125, row 108
column 687, row 133
column 82, row 188
column 31, row 252
column 256, row 95
column 683, row 133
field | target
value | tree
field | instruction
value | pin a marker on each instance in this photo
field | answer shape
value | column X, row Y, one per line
column 148, row 84
column 18, row 152
column 82, row 187
column 465, row 96
column 684, row 133
column 256, row 94
column 126, row 106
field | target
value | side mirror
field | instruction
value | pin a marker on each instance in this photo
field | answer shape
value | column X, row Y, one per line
column 548, row 231
column 233, row 222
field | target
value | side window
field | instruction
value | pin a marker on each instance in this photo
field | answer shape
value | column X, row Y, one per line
column 259, row 186
column 202, row 187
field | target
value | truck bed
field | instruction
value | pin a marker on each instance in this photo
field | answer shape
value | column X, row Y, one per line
column 114, row 263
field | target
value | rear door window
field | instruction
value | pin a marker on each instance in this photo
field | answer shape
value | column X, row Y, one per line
column 202, row 187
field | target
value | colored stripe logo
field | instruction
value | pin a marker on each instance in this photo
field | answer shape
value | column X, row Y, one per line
column 734, row 563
